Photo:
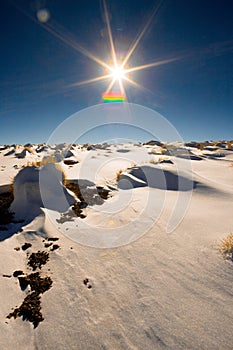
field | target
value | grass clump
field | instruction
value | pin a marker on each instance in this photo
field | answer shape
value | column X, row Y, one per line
column 29, row 309
column 36, row 282
column 36, row 260
column 226, row 246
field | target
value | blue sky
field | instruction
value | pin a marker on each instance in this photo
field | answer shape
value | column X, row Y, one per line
column 194, row 93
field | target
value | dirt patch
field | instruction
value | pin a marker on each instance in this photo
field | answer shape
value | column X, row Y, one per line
column 87, row 197
column 6, row 216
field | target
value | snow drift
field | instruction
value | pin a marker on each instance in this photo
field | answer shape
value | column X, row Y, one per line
column 36, row 187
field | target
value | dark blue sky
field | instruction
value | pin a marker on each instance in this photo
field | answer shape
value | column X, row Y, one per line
column 194, row 93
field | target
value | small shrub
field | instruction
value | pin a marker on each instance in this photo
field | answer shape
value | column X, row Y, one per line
column 226, row 246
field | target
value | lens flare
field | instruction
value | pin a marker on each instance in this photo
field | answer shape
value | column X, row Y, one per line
column 118, row 71
column 117, row 97
column 43, row 15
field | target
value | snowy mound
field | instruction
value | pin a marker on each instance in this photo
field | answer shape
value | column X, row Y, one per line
column 36, row 187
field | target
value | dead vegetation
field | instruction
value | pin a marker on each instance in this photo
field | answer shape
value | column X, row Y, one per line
column 118, row 174
column 36, row 260
column 36, row 282
column 226, row 247
column 30, row 309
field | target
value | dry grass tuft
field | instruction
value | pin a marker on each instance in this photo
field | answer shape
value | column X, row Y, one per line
column 118, row 174
column 29, row 149
column 43, row 162
column 35, row 163
column 226, row 246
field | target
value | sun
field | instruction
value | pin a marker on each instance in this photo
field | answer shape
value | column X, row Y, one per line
column 118, row 73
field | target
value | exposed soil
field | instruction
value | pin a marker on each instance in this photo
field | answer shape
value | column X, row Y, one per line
column 92, row 198
column 6, row 216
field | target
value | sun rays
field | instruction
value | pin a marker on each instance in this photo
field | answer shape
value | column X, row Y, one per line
column 118, row 73
column 117, row 70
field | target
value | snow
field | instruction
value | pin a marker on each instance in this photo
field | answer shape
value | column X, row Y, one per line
column 35, row 187
column 142, row 270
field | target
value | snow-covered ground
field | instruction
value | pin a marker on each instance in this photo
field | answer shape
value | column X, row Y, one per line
column 141, row 269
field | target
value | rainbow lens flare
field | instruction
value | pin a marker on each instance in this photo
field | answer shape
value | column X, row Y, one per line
column 110, row 97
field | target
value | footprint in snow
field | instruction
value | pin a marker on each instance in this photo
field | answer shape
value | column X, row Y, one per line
column 87, row 283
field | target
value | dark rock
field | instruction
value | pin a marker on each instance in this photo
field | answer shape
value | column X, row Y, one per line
column 53, row 239
column 26, row 245
column 70, row 161
column 54, row 247
column 18, row 273
column 153, row 143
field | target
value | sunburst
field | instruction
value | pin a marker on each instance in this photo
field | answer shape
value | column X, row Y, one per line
column 118, row 72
